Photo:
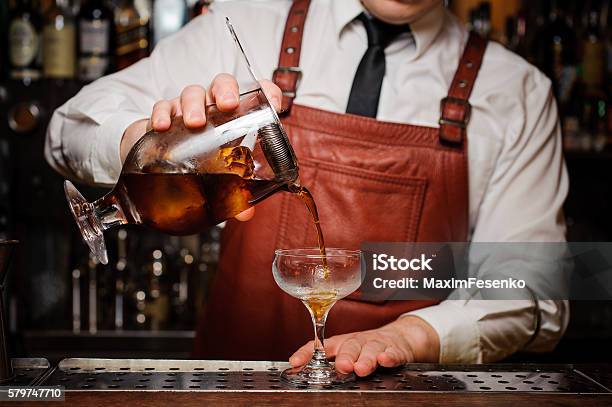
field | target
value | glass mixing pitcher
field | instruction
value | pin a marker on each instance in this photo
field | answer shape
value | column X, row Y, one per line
column 184, row 180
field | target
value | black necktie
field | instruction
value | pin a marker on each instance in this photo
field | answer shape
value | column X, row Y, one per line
column 368, row 80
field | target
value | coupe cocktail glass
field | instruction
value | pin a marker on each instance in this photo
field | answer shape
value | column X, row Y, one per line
column 301, row 274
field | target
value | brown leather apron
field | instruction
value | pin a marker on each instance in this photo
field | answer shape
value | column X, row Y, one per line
column 372, row 181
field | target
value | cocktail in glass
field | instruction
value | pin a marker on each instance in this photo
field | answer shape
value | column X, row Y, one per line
column 301, row 274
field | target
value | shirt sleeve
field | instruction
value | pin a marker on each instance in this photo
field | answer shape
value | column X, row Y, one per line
column 523, row 203
column 84, row 135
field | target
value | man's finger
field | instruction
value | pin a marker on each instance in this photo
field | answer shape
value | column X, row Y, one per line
column 367, row 361
column 273, row 93
column 348, row 353
column 224, row 92
column 176, row 107
column 246, row 215
column 193, row 99
column 392, row 357
column 161, row 117
column 332, row 345
column 302, row 355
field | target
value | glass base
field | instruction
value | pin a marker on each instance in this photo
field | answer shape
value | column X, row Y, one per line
column 307, row 375
column 86, row 220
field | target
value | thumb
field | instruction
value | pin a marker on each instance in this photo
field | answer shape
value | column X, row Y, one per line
column 246, row 215
column 302, row 355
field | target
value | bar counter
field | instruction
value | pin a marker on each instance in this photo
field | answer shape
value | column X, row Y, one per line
column 107, row 382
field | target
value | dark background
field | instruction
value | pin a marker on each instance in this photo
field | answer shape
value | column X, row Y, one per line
column 52, row 268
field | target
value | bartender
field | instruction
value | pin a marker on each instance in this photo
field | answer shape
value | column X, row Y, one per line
column 406, row 127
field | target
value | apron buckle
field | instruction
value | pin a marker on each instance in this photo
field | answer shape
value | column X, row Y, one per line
column 454, row 117
column 288, row 91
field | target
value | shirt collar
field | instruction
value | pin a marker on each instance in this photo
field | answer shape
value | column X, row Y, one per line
column 344, row 12
column 424, row 30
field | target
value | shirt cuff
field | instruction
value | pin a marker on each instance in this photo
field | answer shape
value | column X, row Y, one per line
column 105, row 154
column 457, row 329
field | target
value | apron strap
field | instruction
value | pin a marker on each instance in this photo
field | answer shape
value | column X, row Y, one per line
column 288, row 74
column 455, row 109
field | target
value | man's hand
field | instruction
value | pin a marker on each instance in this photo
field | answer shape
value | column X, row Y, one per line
column 191, row 104
column 408, row 339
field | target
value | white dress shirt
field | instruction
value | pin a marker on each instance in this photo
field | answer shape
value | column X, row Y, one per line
column 517, row 176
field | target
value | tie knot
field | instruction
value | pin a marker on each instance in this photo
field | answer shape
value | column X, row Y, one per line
column 381, row 33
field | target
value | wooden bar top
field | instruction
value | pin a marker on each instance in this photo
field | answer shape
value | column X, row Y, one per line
column 330, row 398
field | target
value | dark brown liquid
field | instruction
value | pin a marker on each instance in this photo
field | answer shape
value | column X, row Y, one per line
column 183, row 204
column 306, row 197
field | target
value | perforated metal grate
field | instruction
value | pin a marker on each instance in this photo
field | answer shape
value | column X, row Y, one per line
column 126, row 375
column 27, row 372
column 600, row 373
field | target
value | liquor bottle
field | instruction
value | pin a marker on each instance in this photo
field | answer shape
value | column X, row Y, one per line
column 607, row 21
column 556, row 52
column 607, row 24
column 480, row 19
column 59, row 41
column 25, row 54
column 132, row 37
column 600, row 135
column 95, row 22
column 522, row 31
column 4, row 18
column 484, row 12
column 593, row 53
column 93, row 294
column 120, row 274
column 76, row 300
column 5, row 190
column 168, row 17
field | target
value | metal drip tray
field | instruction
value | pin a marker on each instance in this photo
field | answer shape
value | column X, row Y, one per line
column 194, row 375
column 27, row 371
column 602, row 374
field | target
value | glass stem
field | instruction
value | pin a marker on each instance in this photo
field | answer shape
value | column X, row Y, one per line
column 109, row 212
column 319, row 359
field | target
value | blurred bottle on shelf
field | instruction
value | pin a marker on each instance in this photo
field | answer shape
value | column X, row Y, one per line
column 571, row 42
column 5, row 201
column 59, row 41
column 95, row 23
column 593, row 52
column 76, row 300
column 556, row 49
column 132, row 31
column 25, row 51
column 606, row 21
column 121, row 271
column 600, row 131
column 92, row 294
column 594, row 98
column 4, row 22
column 168, row 17
column 520, row 31
column 480, row 19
